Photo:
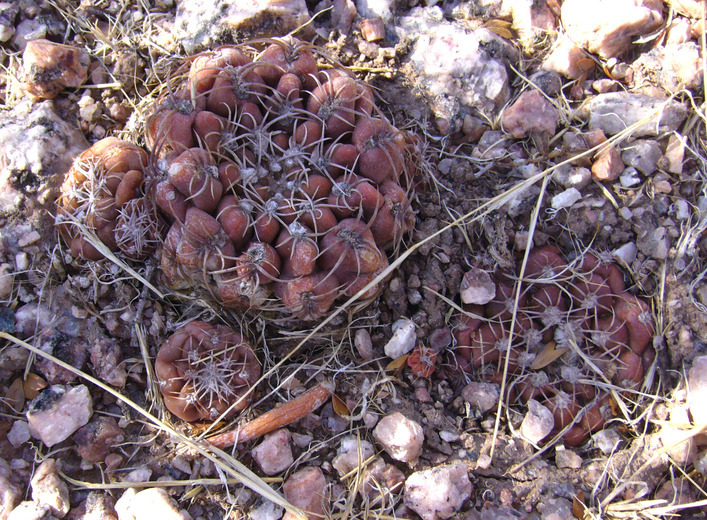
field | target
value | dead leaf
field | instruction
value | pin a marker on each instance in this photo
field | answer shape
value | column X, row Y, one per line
column 397, row 364
column 578, row 506
column 33, row 385
column 502, row 28
column 548, row 355
column 15, row 396
column 340, row 407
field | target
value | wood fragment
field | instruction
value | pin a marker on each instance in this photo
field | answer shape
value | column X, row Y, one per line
column 278, row 417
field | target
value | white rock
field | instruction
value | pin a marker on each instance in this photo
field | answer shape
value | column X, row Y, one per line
column 615, row 111
column 48, row 489
column 577, row 177
column 10, row 496
column 697, row 390
column 274, row 453
column 31, row 510
column 148, row 504
column 306, row 489
column 453, row 63
column 630, row 177
column 401, row 437
column 439, row 492
column 626, row 253
column 477, row 287
column 140, row 474
column 566, row 199
column 18, row 434
column 537, row 423
column 22, row 261
column 565, row 458
column 448, row 436
column 7, row 279
column 483, row 396
column 351, row 454
column 376, row 9
column 701, row 463
column 403, row 340
column 606, row 440
column 266, row 511
column 58, row 412
column 682, row 209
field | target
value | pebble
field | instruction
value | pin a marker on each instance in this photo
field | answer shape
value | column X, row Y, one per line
column 403, row 340
column 556, row 508
column 48, row 489
column 58, row 412
column 697, row 390
column 691, row 8
column 401, row 437
column 565, row 58
column 448, row 436
column 642, row 154
column 455, row 63
column 586, row 23
column 306, row 489
column 10, row 496
column 655, row 243
column 7, row 279
column 22, row 261
column 18, row 434
column 438, row 493
column 682, row 209
column 352, row 453
column 565, row 458
column 95, row 440
column 148, row 504
column 106, row 358
column 530, row 114
column 380, row 479
column 616, row 111
column 574, row 177
column 608, row 165
column 30, row 510
column 630, row 177
column 566, row 199
column 373, row 29
column 671, row 67
column 382, row 9
column 29, row 239
column 537, row 423
column 274, row 453
column 51, row 67
column 679, row 443
column 625, row 254
column 477, row 287
column 675, row 153
column 606, row 440
column 266, row 510
column 701, row 463
column 483, row 396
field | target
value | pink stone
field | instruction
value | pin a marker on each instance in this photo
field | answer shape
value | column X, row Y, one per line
column 606, row 27
column 438, row 493
column 306, row 489
column 372, row 29
column 50, row 67
column 608, row 165
column 274, row 453
column 565, row 58
column 531, row 113
column 401, row 437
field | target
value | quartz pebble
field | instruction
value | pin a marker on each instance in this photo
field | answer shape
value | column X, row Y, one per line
column 107, row 361
column 352, row 453
column 363, row 344
column 625, row 254
column 306, row 489
column 608, row 164
column 373, row 29
column 671, row 67
column 483, row 396
column 403, row 340
column 58, row 412
column 266, row 510
column 274, row 453
column 576, row 177
column 566, row 199
column 697, row 390
column 50, row 67
column 10, row 496
column 630, row 177
column 439, row 492
column 49, row 490
column 606, row 440
column 7, row 279
column 31, row 510
column 565, row 58
column 18, row 434
column 477, row 287
column 586, row 22
column 401, row 437
column 675, row 153
column 148, row 504
column 530, row 114
column 537, row 423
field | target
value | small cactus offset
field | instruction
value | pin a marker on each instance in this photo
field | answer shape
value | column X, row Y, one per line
column 284, row 185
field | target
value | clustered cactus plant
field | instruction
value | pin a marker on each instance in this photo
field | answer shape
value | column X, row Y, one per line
column 284, row 185
column 578, row 333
